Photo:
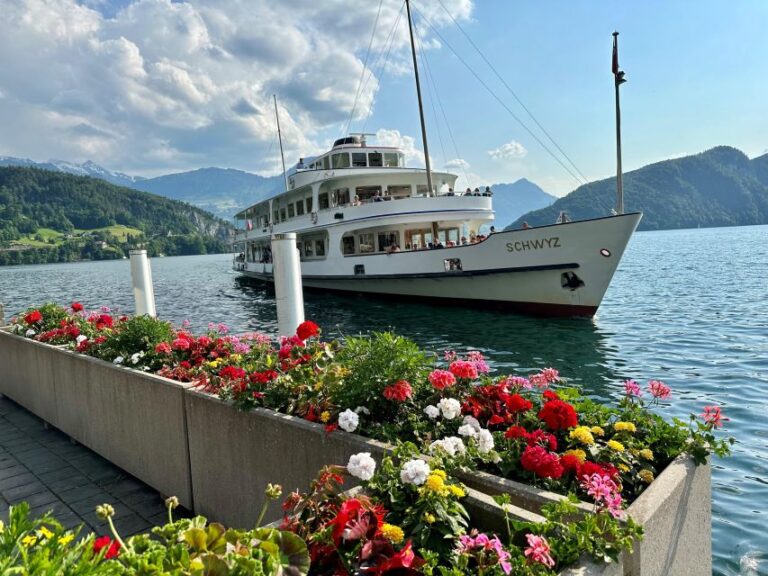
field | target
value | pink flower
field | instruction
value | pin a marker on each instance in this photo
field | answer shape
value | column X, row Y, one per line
column 163, row 348
column 659, row 389
column 713, row 416
column 449, row 356
column 604, row 491
column 538, row 550
column 551, row 375
column 400, row 391
column 519, row 382
column 632, row 388
column 479, row 361
column 441, row 379
column 539, row 380
column 463, row 369
column 242, row 348
column 181, row 344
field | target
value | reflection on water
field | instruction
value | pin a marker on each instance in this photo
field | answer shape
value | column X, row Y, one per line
column 686, row 306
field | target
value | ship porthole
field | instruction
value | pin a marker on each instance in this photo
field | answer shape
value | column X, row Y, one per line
column 605, row 252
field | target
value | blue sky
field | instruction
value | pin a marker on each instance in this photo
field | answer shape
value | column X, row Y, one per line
column 153, row 86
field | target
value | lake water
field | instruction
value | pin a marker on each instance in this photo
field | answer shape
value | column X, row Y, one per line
column 689, row 307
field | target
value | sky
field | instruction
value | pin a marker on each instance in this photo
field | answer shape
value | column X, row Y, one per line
column 150, row 87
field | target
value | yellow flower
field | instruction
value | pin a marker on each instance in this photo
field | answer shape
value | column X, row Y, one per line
column 2, row 527
column 623, row 467
column 235, row 357
column 580, row 454
column 583, row 435
column 614, row 445
column 429, row 518
column 457, row 491
column 435, row 483
column 325, row 416
column 646, row 454
column 646, row 476
column 440, row 473
column 29, row 540
column 597, row 431
column 66, row 539
column 624, row 427
column 392, row 533
column 44, row 533
column 214, row 363
column 318, row 386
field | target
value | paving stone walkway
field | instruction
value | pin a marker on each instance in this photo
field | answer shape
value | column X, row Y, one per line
column 42, row 466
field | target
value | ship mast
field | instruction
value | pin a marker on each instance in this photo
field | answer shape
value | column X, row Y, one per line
column 280, row 138
column 618, row 77
column 421, row 107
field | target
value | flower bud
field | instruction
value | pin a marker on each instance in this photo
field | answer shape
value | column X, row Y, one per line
column 172, row 502
column 105, row 511
column 274, row 491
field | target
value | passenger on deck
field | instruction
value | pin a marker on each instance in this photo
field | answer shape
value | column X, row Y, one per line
column 468, row 192
column 493, row 229
column 463, row 240
column 477, row 192
column 526, row 225
column 356, row 201
column 377, row 197
column 487, row 191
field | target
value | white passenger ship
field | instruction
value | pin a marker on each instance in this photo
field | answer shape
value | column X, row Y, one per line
column 365, row 223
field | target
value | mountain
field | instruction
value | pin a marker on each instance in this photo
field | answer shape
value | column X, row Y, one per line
column 85, row 169
column 52, row 216
column 719, row 187
column 510, row 201
column 222, row 191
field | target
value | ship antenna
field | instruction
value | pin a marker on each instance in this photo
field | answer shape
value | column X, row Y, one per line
column 280, row 138
column 421, row 107
column 619, row 79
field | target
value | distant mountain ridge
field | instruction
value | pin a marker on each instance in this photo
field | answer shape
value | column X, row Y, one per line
column 85, row 169
column 510, row 201
column 718, row 187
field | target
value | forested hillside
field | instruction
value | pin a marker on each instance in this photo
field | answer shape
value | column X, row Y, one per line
column 719, row 187
column 56, row 217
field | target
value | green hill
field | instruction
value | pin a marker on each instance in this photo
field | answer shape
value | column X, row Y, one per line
column 719, row 187
column 50, row 216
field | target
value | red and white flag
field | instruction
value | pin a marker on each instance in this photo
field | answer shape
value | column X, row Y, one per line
column 249, row 224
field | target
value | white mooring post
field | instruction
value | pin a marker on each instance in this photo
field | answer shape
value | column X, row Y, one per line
column 286, row 272
column 141, row 278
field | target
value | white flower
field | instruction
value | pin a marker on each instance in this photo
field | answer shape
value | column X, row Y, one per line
column 467, row 430
column 363, row 410
column 361, row 466
column 348, row 420
column 450, row 407
column 80, row 339
column 484, row 441
column 118, row 360
column 29, row 333
column 414, row 472
column 136, row 357
column 472, row 421
column 432, row 411
column 452, row 445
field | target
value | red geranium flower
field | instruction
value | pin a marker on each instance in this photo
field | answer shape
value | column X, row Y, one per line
column 550, row 395
column 112, row 546
column 590, row 468
column 181, row 344
column 571, row 463
column 463, row 369
column 33, row 317
column 541, row 462
column 400, row 391
column 558, row 415
column 232, row 373
column 515, row 432
column 441, row 379
column 307, row 330
column 516, row 403
column 163, row 348
column 77, row 307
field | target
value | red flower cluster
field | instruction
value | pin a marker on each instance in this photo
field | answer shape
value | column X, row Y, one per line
column 541, row 462
column 77, row 307
column 307, row 330
column 441, row 379
column 463, row 369
column 558, row 415
column 112, row 546
column 33, row 317
column 232, row 373
column 400, row 391
column 493, row 404
column 101, row 321
column 531, row 438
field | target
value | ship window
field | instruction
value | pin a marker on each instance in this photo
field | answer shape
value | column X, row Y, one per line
column 299, row 208
column 322, row 201
column 452, row 264
column 359, row 160
column 387, row 239
column 291, row 212
column 309, row 204
column 375, row 160
column 366, row 242
column 359, row 269
column 399, row 191
column 390, row 160
column 348, row 245
column 282, row 214
column 326, row 162
column 342, row 196
column 319, row 248
column 308, row 250
column 275, row 215
column 421, row 190
column 341, row 160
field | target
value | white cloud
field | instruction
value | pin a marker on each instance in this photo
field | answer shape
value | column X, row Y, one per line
column 510, row 151
column 161, row 84
column 457, row 164
column 407, row 144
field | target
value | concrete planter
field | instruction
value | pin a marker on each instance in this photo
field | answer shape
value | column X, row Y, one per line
column 674, row 511
column 235, row 454
column 135, row 420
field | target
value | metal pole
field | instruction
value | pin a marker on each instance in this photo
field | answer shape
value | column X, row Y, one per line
column 618, row 81
column 2, row 315
column 141, row 278
column 421, row 108
column 286, row 272
column 280, row 139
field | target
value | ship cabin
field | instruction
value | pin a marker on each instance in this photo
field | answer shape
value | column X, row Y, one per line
column 359, row 200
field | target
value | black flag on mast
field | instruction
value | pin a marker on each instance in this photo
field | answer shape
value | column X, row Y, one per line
column 617, row 74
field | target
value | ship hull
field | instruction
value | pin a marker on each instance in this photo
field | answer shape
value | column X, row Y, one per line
column 558, row 270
